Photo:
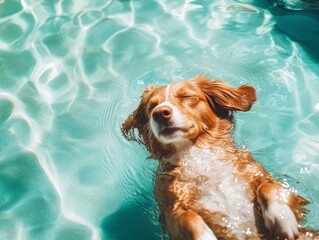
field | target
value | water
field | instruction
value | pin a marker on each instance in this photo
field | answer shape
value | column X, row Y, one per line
column 299, row 4
column 72, row 71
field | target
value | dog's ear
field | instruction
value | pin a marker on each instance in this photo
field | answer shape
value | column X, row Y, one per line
column 223, row 96
column 138, row 119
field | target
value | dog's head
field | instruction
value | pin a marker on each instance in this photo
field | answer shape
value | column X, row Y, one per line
column 186, row 111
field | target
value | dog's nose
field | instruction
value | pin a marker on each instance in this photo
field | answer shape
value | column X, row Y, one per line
column 161, row 114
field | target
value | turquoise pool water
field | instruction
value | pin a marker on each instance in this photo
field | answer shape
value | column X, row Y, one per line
column 72, row 71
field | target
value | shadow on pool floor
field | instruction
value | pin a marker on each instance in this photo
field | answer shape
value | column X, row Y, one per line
column 128, row 223
column 301, row 26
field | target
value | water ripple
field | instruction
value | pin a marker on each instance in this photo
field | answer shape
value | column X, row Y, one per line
column 71, row 72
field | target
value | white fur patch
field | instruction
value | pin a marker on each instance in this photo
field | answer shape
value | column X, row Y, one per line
column 220, row 191
column 207, row 235
column 280, row 220
column 167, row 92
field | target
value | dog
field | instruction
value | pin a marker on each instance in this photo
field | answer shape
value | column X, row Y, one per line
column 206, row 187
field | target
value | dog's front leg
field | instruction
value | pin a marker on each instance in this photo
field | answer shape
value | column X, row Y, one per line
column 193, row 227
column 278, row 217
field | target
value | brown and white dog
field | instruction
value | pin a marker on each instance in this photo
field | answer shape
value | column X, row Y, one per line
column 206, row 187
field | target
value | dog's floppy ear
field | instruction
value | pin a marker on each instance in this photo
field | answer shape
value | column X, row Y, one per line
column 221, row 95
column 138, row 119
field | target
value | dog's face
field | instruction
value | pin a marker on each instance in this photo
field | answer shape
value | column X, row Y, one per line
column 184, row 111
column 179, row 112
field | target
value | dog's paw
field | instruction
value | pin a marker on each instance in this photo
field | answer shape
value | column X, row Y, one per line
column 206, row 235
column 281, row 221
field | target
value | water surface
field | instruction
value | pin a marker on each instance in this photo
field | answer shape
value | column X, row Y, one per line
column 72, row 71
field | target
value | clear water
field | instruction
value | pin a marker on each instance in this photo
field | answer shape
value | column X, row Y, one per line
column 72, row 71
column 299, row 4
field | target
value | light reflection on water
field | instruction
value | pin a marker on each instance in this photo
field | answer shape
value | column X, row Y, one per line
column 71, row 72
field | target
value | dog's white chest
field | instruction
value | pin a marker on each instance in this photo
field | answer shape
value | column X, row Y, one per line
column 220, row 189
